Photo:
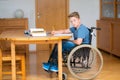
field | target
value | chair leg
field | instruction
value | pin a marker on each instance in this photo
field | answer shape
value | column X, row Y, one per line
column 23, row 68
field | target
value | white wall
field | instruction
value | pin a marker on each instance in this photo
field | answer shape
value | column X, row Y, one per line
column 8, row 7
column 88, row 9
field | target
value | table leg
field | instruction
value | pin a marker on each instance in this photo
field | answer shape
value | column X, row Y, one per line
column 13, row 61
column 60, row 59
column 0, row 63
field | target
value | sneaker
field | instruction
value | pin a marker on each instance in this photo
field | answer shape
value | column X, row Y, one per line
column 54, row 68
column 50, row 66
column 46, row 66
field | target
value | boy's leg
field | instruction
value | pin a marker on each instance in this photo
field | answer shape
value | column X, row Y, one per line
column 53, row 59
column 54, row 53
column 67, row 46
column 51, row 65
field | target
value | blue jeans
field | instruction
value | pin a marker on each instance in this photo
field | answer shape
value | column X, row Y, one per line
column 66, row 47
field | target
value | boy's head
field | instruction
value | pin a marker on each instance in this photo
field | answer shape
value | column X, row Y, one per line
column 74, row 14
column 74, row 19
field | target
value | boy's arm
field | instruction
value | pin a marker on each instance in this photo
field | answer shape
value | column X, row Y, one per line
column 77, row 41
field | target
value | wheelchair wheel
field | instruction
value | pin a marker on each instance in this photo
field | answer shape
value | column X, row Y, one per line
column 85, row 62
column 64, row 76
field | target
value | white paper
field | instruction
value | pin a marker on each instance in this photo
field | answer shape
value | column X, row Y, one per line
column 63, row 34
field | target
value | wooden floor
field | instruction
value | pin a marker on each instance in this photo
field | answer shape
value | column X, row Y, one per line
column 110, row 71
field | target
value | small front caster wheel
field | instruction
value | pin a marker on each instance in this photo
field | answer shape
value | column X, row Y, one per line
column 64, row 76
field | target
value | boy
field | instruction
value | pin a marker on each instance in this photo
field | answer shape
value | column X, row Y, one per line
column 80, row 34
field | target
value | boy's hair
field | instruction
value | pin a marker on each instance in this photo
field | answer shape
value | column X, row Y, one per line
column 74, row 14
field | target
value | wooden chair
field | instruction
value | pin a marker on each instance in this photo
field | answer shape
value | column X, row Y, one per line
column 5, row 63
column 5, row 50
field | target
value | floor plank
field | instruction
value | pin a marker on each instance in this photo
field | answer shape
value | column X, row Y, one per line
column 110, row 70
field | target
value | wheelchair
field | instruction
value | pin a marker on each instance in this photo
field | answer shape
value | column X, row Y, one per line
column 84, row 61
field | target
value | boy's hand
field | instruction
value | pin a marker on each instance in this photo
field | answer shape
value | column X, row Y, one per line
column 53, row 32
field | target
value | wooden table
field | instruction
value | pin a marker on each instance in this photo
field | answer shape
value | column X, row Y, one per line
column 18, row 37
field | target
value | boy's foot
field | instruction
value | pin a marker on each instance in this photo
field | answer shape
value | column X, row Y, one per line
column 50, row 66
column 54, row 68
column 46, row 66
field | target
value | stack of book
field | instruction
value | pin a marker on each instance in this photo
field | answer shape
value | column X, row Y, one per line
column 37, row 32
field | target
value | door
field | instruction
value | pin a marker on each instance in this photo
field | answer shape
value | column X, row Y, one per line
column 51, row 15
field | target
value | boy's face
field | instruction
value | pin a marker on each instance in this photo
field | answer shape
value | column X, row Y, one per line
column 75, row 21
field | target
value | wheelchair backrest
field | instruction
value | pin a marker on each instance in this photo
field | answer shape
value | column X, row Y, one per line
column 91, row 32
column 90, row 38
